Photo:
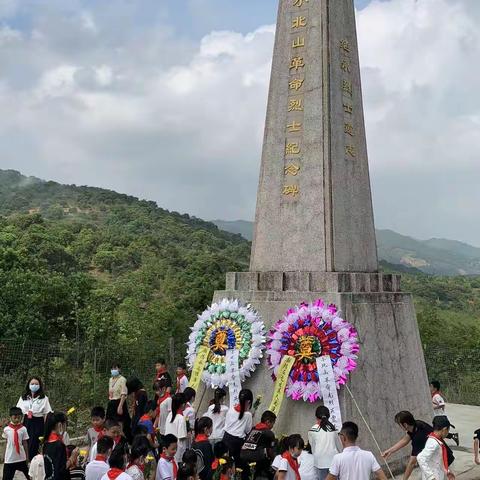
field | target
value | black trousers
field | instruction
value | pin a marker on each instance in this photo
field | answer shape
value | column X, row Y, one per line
column 35, row 428
column 112, row 414
column 234, row 445
column 9, row 470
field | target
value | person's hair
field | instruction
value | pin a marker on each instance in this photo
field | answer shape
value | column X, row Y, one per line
column 186, row 471
column 282, row 445
column 97, row 412
column 140, row 430
column 190, row 458
column 104, row 444
column 151, row 406
column 435, row 384
column 159, row 384
column 137, row 451
column 295, row 441
column 350, row 431
column 168, row 439
column 70, row 449
column 182, row 365
column 161, row 360
column 220, row 449
column 15, row 411
column 268, row 416
column 177, row 401
column 323, row 414
column 405, row 417
column 245, row 396
column 27, row 393
column 117, row 458
column 225, row 466
column 53, row 419
column 110, row 423
column 201, row 424
column 134, row 385
column 220, row 393
column 141, row 441
column 116, row 365
column 308, row 447
column 189, row 393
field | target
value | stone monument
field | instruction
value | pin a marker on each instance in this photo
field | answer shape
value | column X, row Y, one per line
column 314, row 229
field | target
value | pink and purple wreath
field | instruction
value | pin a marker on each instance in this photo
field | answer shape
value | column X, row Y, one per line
column 306, row 332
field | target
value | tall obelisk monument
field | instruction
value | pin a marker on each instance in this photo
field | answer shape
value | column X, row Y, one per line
column 314, row 229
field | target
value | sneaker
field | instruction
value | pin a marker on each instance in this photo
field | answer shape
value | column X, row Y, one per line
column 456, row 439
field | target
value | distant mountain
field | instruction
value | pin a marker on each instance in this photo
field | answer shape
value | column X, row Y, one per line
column 434, row 256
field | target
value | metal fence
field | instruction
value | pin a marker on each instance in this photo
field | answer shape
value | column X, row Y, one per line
column 76, row 374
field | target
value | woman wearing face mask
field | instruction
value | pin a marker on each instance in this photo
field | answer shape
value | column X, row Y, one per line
column 117, row 408
column 35, row 407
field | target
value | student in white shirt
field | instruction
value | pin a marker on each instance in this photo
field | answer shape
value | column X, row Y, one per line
column 164, row 404
column 35, row 407
column 98, row 467
column 353, row 463
column 177, row 425
column 433, row 459
column 324, row 442
column 238, row 423
column 217, row 412
column 138, row 454
column 16, row 453
column 438, row 401
column 190, row 413
column 288, row 466
column 306, row 464
column 182, row 380
column 117, row 462
column 167, row 467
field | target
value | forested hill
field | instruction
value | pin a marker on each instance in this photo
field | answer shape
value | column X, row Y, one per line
column 98, row 264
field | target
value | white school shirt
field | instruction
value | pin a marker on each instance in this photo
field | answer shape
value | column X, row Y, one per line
column 11, row 455
column 135, row 472
column 307, row 468
column 165, row 409
column 236, row 427
column 39, row 407
column 438, row 400
column 122, row 476
column 354, row 464
column 93, row 453
column 179, row 429
column 276, row 462
column 284, row 466
column 164, row 470
column 96, row 469
column 36, row 470
column 325, row 445
column 218, row 420
column 430, row 461
column 182, row 384
column 190, row 415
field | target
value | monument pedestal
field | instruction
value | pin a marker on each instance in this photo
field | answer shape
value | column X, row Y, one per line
column 391, row 374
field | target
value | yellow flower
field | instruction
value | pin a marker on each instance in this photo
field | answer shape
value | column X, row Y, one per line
column 41, row 438
column 222, row 461
column 149, row 458
column 239, row 470
column 83, row 453
column 253, row 464
column 70, row 410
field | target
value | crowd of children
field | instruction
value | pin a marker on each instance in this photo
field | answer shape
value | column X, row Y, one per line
column 165, row 439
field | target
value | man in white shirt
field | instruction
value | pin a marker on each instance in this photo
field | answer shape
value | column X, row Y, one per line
column 98, row 467
column 353, row 463
column 433, row 459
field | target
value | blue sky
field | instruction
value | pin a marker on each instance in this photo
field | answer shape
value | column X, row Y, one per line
column 166, row 99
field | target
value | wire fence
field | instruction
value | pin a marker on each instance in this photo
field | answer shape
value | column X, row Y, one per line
column 76, row 374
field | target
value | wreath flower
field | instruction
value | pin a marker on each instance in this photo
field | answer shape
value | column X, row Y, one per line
column 223, row 326
column 306, row 332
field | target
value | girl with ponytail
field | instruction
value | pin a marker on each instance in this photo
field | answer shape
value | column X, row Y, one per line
column 324, row 441
column 217, row 411
column 238, row 423
column 177, row 425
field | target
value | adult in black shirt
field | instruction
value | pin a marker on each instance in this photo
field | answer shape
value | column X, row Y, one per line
column 416, row 433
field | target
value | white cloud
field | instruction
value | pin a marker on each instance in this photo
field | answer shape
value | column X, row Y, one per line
column 145, row 112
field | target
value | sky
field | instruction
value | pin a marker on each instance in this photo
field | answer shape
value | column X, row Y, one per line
column 166, row 99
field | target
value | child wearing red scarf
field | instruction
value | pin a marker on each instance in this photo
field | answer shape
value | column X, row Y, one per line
column 182, row 380
column 54, row 450
column 16, row 454
column 203, row 447
column 117, row 462
column 96, row 431
column 167, row 467
column 164, row 404
column 288, row 467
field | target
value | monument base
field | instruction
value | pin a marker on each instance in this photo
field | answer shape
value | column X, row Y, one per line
column 391, row 374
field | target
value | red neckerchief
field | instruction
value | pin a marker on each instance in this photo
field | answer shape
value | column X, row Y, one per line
column 215, row 464
column 113, row 473
column 293, row 462
column 174, row 463
column 162, row 399
column 201, row 438
column 261, row 426
column 444, row 450
column 116, row 440
column 145, row 418
column 54, row 437
column 141, row 467
column 100, row 432
column 224, row 477
column 101, row 458
column 179, row 377
column 180, row 411
column 16, row 439
column 237, row 408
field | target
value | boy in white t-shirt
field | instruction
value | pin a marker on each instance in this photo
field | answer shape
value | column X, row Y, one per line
column 16, row 454
column 167, row 467
column 182, row 380
column 438, row 401
column 288, row 466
